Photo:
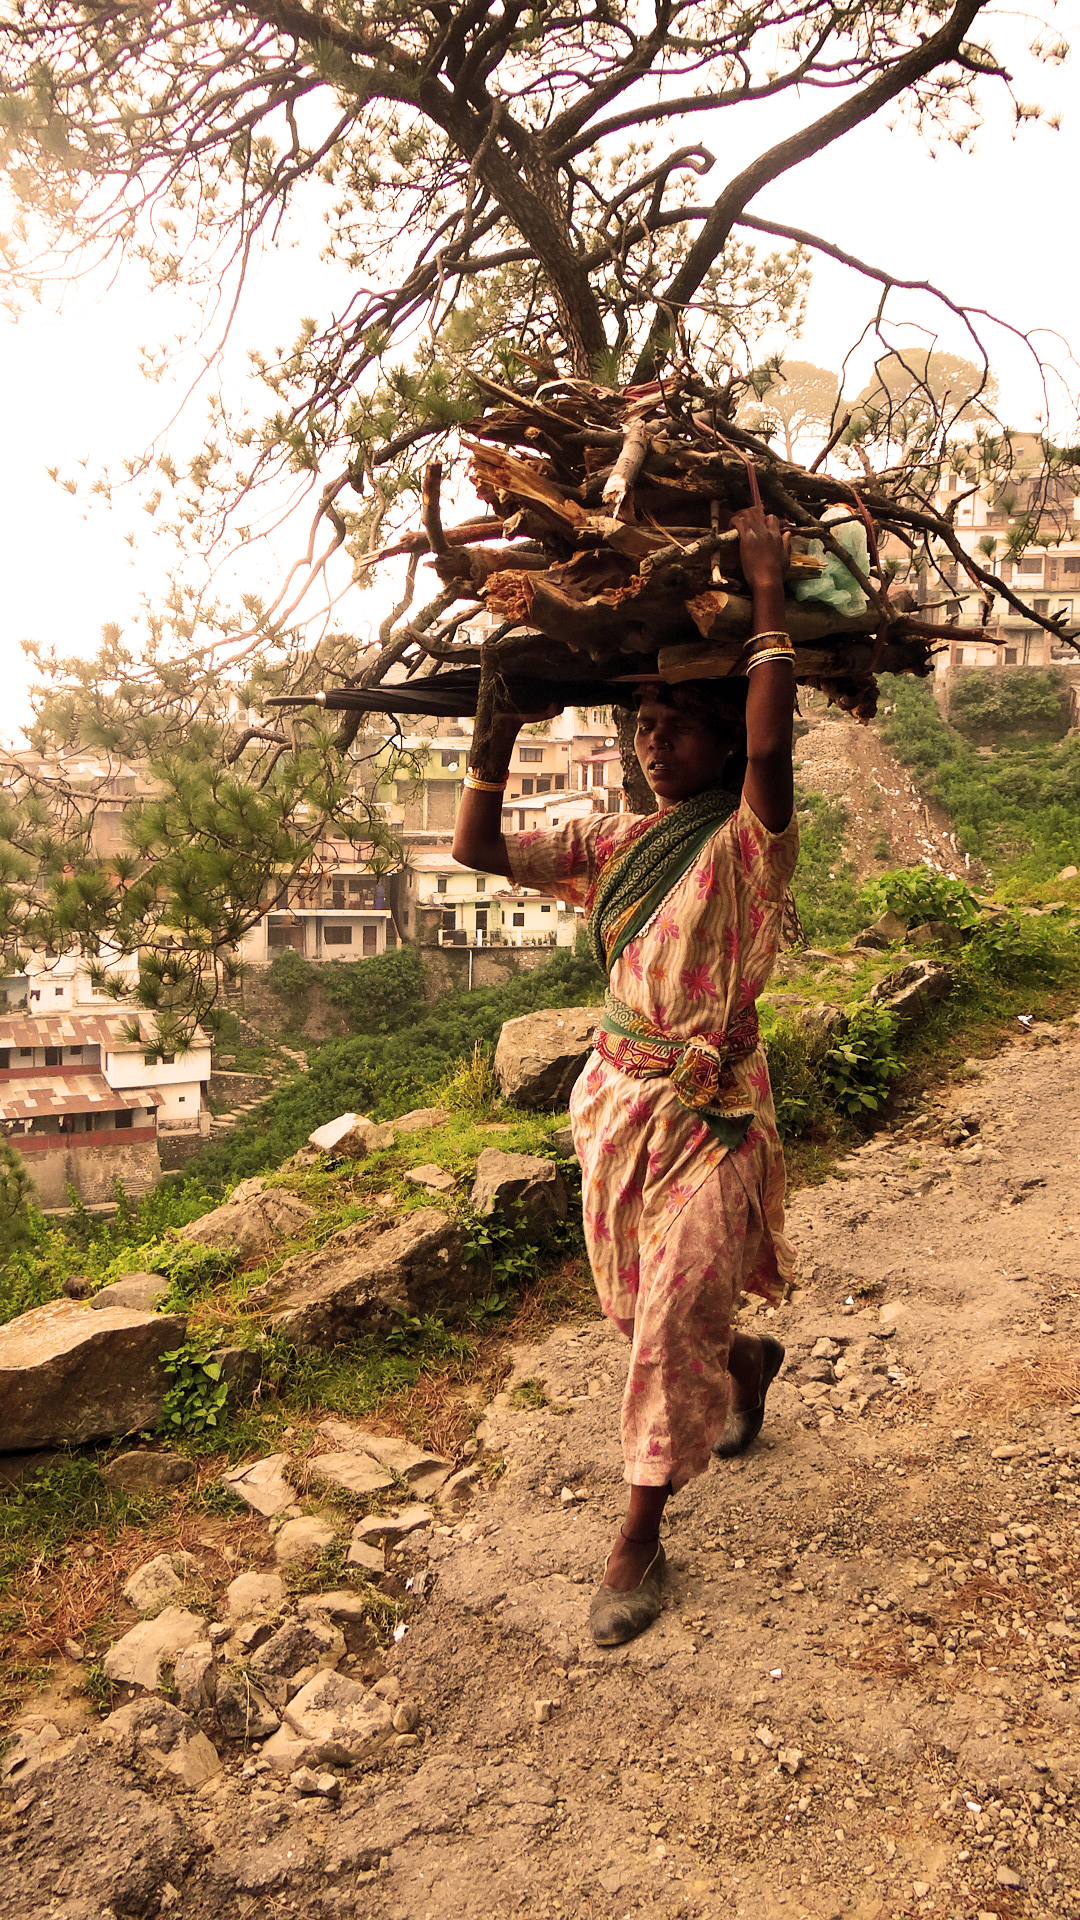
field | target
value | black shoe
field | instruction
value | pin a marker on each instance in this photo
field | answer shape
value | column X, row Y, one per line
column 744, row 1425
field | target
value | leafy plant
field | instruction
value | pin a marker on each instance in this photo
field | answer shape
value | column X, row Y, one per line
column 858, row 1070
column 498, row 1245
column 918, row 894
column 197, row 1397
column 796, row 1086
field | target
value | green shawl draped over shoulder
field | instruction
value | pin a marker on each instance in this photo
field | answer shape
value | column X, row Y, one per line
column 642, row 871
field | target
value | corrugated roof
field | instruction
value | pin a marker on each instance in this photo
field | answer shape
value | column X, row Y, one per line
column 32, row 1098
column 77, row 1030
column 62, row 1029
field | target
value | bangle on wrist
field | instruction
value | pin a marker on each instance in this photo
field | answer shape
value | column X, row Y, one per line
column 778, row 635
column 770, row 653
column 476, row 785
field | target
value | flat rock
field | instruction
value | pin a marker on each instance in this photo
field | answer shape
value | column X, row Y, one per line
column 252, row 1221
column 366, row 1276
column 254, row 1593
column 23, row 1748
column 431, row 1176
column 154, row 1582
column 540, row 1055
column 334, row 1711
column 371, row 1561
column 356, row 1472
column 262, row 1485
column 142, row 1291
column 420, row 1120
column 378, row 1528
column 69, row 1374
column 143, row 1471
column 161, row 1737
column 136, row 1659
column 424, row 1471
column 303, row 1539
column 343, row 1604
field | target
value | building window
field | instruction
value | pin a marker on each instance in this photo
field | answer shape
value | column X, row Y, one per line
column 507, row 820
column 517, row 919
column 371, row 941
column 180, row 1099
column 58, row 993
column 543, row 783
column 521, row 823
column 54, row 1056
column 481, row 883
column 526, row 786
column 124, row 1119
column 440, row 884
column 545, row 906
column 337, row 936
column 26, row 1053
column 531, row 756
column 1010, row 656
column 1031, row 563
column 450, row 761
column 5, row 1057
column 560, row 782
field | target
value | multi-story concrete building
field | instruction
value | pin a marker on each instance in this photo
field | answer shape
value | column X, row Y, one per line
column 86, row 1102
column 990, row 522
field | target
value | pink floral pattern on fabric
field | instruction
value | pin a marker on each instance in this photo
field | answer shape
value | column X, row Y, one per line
column 675, row 1223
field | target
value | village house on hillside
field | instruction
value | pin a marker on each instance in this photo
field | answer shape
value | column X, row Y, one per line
column 987, row 522
column 86, row 1103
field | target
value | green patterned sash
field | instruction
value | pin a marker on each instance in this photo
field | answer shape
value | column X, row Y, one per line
column 641, row 873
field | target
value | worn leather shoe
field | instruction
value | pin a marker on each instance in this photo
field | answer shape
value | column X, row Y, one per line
column 744, row 1425
column 616, row 1617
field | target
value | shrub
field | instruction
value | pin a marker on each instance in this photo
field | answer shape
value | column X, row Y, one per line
column 858, row 1070
column 824, row 884
column 987, row 704
column 380, row 995
column 918, row 894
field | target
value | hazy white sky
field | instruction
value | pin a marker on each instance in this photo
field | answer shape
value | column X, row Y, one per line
column 993, row 227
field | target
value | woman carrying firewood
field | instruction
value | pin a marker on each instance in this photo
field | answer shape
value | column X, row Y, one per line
column 673, row 1120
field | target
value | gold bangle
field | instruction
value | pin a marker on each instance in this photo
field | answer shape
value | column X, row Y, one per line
column 771, row 653
column 778, row 633
column 476, row 785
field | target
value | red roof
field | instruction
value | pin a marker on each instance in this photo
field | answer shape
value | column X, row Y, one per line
column 32, row 1098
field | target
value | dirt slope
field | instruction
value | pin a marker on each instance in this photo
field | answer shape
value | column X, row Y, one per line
column 850, row 763
column 862, row 1696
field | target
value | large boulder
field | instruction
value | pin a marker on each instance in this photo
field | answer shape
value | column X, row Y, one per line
column 539, row 1057
column 70, row 1375
column 365, row 1277
column 527, row 1192
column 912, row 991
column 251, row 1221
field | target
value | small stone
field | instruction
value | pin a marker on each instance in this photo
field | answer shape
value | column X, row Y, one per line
column 542, row 1711
column 73, row 1650
column 136, row 1659
column 356, row 1472
column 254, row 1593
column 434, row 1179
column 1007, row 1453
column 325, row 1784
column 149, row 1585
column 790, row 1758
column 145, row 1472
column 1008, row 1877
column 405, row 1717
column 389, row 1528
column 304, row 1539
column 370, row 1560
column 262, row 1485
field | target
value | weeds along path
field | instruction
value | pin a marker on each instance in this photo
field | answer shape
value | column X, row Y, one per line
column 862, row 1695
column 889, row 823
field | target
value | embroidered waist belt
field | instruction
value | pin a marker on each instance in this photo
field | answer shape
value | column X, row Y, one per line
column 699, row 1068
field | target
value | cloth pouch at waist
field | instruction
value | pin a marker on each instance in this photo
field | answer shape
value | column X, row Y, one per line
column 699, row 1068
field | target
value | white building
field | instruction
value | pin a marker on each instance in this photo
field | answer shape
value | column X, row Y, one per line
column 452, row 906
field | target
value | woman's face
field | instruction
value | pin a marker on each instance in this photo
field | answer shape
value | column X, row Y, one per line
column 678, row 754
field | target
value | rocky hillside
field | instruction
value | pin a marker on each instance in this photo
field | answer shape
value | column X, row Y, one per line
column 889, row 823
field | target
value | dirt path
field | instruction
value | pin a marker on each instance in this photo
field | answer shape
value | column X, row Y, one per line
column 888, row 821
column 862, row 1696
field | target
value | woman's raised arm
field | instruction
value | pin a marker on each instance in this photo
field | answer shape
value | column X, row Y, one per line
column 770, row 699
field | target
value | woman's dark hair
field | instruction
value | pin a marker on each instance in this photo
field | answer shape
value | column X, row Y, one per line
column 719, row 704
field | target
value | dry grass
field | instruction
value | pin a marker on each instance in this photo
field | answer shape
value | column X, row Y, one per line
column 1018, row 1384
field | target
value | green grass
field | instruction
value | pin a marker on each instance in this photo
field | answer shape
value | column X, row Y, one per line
column 825, row 886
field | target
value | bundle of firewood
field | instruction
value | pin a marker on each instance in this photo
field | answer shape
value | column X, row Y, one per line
column 608, row 553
